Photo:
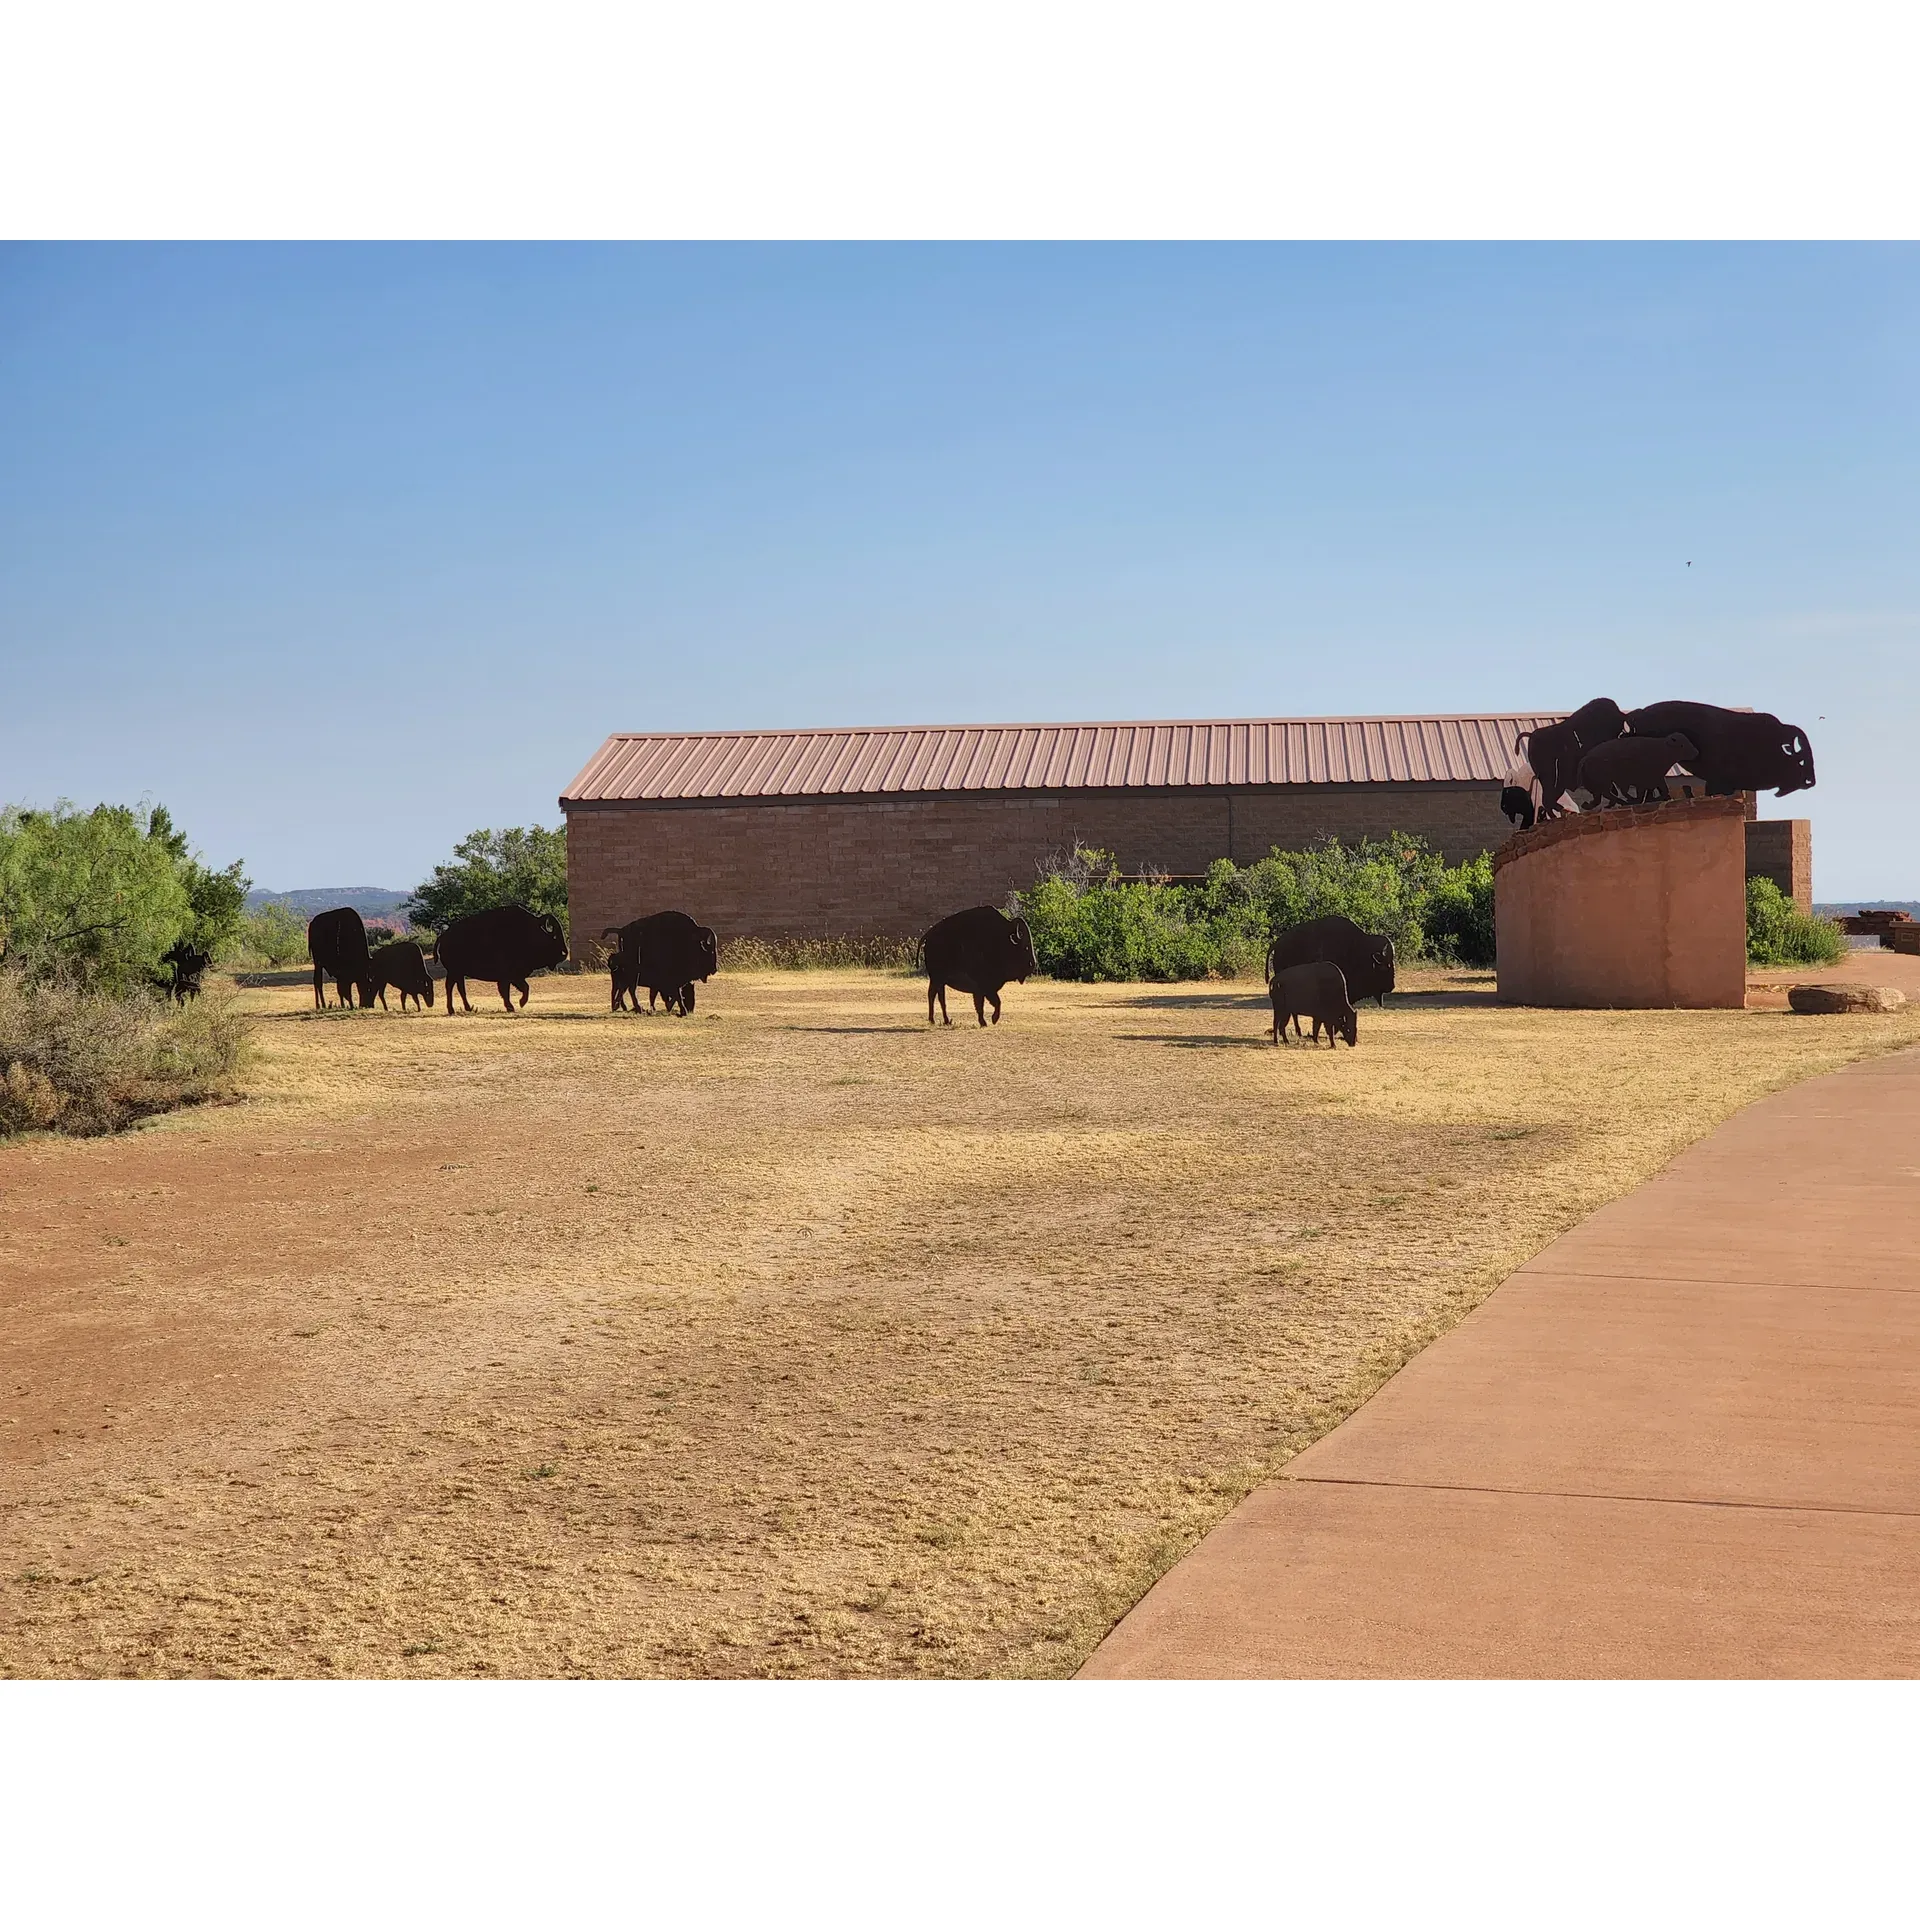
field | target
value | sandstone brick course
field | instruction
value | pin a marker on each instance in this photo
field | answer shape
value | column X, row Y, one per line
column 893, row 866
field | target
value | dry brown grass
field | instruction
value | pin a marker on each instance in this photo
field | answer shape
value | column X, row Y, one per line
column 78, row 1062
column 789, row 1339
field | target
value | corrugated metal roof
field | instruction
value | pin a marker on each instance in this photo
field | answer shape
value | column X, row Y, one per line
column 833, row 761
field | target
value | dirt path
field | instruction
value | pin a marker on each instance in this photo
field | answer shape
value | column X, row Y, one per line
column 792, row 1338
column 1684, row 1441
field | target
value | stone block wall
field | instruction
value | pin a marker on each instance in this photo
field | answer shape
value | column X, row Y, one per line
column 893, row 866
column 1782, row 851
column 1631, row 907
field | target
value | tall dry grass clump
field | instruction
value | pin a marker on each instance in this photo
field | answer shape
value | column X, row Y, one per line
column 75, row 1061
column 878, row 951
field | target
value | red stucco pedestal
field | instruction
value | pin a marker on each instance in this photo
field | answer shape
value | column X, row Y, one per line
column 1631, row 907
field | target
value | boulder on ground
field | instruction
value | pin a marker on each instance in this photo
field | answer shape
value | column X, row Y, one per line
column 1833, row 999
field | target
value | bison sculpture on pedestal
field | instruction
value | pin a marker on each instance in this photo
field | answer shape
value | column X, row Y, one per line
column 1555, row 752
column 1734, row 752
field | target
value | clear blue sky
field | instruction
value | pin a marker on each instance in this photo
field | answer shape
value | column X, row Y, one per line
column 341, row 552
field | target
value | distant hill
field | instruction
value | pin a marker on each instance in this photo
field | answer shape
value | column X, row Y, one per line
column 377, row 906
column 1863, row 906
column 312, row 900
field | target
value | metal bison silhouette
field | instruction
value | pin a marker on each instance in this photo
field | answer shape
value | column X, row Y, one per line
column 1316, row 991
column 1365, row 959
column 1554, row 753
column 185, row 964
column 337, row 945
column 1733, row 752
column 401, row 965
column 1615, row 756
column 664, row 952
column 505, row 945
column 977, row 950
column 1633, row 770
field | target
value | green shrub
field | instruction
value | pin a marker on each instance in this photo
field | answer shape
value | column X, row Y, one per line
column 1780, row 935
column 1087, row 928
column 85, row 1061
column 1089, row 923
column 91, row 898
column 1379, row 885
column 1456, row 915
column 216, row 897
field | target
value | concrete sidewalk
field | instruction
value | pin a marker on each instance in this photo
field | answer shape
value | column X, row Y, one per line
column 1683, row 1441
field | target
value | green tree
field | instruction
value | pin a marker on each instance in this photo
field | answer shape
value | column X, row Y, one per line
column 95, row 898
column 496, row 867
column 275, row 934
column 217, row 896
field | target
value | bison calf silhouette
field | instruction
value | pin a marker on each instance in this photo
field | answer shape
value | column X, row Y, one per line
column 506, row 945
column 1631, row 771
column 978, row 950
column 337, row 943
column 402, row 966
column 1317, row 992
column 664, row 952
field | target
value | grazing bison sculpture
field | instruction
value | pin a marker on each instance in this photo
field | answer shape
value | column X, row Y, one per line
column 506, row 945
column 1365, row 959
column 185, row 963
column 1317, row 992
column 1517, row 795
column 1734, row 752
column 1633, row 769
column 403, row 966
column 977, row 950
column 1517, row 804
column 1554, row 752
column 337, row 943
column 664, row 952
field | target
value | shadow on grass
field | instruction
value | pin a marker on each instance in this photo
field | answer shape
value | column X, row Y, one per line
column 789, row 1027
column 1143, row 1003
column 417, row 1014
column 1199, row 1039
column 1248, row 1003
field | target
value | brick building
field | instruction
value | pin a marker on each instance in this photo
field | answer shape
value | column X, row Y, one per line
column 885, row 829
